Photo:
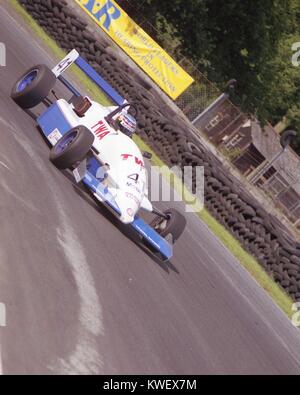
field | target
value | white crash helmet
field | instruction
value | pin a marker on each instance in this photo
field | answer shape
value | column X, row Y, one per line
column 127, row 124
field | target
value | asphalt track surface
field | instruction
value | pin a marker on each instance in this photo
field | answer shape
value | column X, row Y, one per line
column 81, row 297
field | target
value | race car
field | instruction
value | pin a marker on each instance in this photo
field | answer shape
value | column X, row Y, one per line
column 95, row 143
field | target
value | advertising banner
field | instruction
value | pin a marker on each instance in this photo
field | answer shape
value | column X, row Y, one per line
column 167, row 74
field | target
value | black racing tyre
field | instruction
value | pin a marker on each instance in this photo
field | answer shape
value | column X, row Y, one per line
column 174, row 226
column 295, row 259
column 291, row 266
column 277, row 277
column 72, row 148
column 277, row 268
column 33, row 87
column 285, row 284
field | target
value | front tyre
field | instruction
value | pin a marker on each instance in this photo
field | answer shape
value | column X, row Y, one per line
column 173, row 226
column 72, row 148
column 33, row 87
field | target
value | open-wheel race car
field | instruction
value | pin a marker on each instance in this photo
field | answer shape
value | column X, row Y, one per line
column 95, row 143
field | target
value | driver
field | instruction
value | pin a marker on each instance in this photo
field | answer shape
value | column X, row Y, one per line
column 127, row 124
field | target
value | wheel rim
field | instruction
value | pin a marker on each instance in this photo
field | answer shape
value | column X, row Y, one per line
column 27, row 80
column 160, row 224
column 65, row 142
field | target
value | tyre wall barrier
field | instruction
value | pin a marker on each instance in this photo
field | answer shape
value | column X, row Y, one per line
column 261, row 234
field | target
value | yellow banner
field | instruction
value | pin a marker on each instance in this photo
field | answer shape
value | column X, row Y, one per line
column 138, row 45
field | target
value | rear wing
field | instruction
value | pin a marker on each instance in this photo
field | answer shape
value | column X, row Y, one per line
column 74, row 58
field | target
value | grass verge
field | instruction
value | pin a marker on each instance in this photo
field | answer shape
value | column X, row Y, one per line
column 247, row 261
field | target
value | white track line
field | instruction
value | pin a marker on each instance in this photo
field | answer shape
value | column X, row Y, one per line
column 4, row 165
column 85, row 357
column 1, row 365
column 2, row 324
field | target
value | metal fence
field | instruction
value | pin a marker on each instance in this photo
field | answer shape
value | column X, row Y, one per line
column 201, row 94
column 285, row 196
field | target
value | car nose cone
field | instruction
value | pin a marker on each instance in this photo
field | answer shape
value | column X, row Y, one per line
column 128, row 205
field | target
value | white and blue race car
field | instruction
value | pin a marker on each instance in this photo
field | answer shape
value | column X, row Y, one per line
column 95, row 143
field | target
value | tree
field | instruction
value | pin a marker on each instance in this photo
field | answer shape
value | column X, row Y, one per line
column 245, row 36
column 249, row 40
column 233, row 39
column 282, row 97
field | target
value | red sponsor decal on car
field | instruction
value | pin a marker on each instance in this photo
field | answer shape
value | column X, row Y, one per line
column 138, row 161
column 132, row 197
column 130, row 212
column 102, row 130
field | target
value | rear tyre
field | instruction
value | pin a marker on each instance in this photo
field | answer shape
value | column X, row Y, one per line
column 33, row 87
column 72, row 148
column 173, row 227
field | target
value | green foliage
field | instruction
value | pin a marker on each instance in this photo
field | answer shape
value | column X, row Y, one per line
column 247, row 40
column 282, row 98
